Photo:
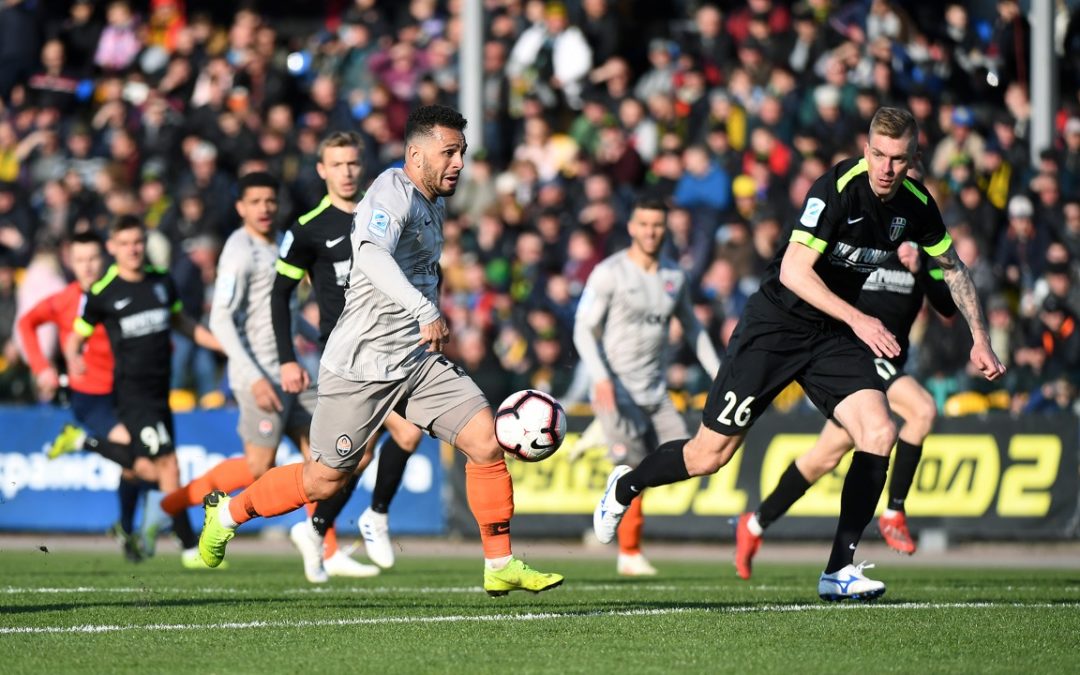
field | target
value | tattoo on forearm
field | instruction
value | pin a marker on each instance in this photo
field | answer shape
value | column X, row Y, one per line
column 962, row 288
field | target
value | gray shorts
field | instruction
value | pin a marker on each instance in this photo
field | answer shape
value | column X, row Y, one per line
column 265, row 429
column 437, row 396
column 633, row 431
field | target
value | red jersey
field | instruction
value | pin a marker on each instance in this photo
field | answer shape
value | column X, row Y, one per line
column 62, row 309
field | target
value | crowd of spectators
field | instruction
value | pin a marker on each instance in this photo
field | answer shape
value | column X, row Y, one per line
column 727, row 111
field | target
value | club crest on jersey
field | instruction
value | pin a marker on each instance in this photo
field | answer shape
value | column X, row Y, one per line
column 266, row 427
column 669, row 287
column 159, row 292
column 897, row 227
column 380, row 221
column 344, row 445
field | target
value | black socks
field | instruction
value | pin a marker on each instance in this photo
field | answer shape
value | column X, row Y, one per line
column 791, row 487
column 392, row 461
column 128, row 492
column 327, row 510
column 862, row 488
column 904, row 466
column 663, row 467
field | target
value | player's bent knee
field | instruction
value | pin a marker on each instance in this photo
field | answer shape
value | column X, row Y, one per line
column 878, row 439
column 707, row 454
column 322, row 482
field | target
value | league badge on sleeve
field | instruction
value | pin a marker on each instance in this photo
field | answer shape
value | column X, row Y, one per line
column 286, row 244
column 812, row 213
column 380, row 221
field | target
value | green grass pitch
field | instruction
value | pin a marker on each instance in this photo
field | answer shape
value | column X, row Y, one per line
column 92, row 613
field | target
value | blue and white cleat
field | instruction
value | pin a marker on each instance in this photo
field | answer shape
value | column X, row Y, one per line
column 609, row 512
column 849, row 583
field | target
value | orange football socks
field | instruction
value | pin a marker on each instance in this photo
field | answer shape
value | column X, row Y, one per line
column 490, row 492
column 227, row 476
column 279, row 490
column 629, row 532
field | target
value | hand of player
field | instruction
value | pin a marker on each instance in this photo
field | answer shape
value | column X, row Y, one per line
column 876, row 336
column 294, row 378
column 986, row 361
column 909, row 256
column 435, row 335
column 265, row 396
column 604, row 396
column 47, row 384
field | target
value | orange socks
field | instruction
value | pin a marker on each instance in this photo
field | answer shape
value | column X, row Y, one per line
column 490, row 492
column 227, row 476
column 629, row 531
column 280, row 490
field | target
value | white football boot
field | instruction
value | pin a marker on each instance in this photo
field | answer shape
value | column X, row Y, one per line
column 849, row 583
column 341, row 565
column 609, row 511
column 310, row 544
column 634, row 565
column 375, row 529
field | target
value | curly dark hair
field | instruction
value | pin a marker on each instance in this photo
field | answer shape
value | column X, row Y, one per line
column 423, row 120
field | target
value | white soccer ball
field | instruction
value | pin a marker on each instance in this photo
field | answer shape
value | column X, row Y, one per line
column 530, row 425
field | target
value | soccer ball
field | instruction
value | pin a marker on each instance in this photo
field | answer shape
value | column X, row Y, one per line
column 530, row 425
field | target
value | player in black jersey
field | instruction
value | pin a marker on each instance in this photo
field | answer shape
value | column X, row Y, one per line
column 318, row 244
column 802, row 325
column 893, row 293
column 139, row 306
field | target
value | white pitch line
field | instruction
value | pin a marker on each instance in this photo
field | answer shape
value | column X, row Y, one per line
column 486, row 618
column 435, row 590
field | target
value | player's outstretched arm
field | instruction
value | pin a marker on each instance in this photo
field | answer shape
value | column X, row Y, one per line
column 962, row 288
column 197, row 332
column 797, row 273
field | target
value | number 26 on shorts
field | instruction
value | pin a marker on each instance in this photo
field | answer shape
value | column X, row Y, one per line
column 741, row 415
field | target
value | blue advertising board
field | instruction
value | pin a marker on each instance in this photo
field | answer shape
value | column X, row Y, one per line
column 77, row 492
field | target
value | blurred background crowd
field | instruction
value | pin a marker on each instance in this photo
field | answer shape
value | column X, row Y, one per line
column 728, row 111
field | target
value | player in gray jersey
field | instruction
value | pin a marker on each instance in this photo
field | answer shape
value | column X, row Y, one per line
column 384, row 355
column 240, row 319
column 621, row 332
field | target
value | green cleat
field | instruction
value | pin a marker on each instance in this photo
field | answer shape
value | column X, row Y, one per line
column 214, row 535
column 517, row 576
column 68, row 440
column 191, row 560
column 129, row 543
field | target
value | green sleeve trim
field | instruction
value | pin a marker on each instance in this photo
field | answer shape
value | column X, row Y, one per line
column 937, row 275
column 83, row 328
column 806, row 239
column 104, row 281
column 859, row 168
column 307, row 217
column 916, row 191
column 177, row 307
column 940, row 247
column 156, row 270
column 286, row 270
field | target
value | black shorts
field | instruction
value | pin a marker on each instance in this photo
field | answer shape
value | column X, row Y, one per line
column 94, row 412
column 890, row 370
column 151, row 429
column 768, row 352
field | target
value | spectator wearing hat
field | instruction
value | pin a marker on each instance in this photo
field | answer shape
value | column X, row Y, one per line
column 660, row 77
column 962, row 140
column 552, row 58
column 1060, row 339
column 1020, row 254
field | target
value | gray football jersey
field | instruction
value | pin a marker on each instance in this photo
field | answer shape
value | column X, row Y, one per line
column 240, row 311
column 377, row 338
column 622, row 323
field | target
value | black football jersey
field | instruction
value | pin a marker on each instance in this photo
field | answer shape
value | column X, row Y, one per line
column 855, row 232
column 894, row 295
column 318, row 243
column 138, row 320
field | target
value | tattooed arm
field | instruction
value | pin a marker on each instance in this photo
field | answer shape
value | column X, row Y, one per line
column 962, row 288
